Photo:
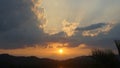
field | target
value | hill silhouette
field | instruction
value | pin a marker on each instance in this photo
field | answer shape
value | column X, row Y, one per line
column 9, row 61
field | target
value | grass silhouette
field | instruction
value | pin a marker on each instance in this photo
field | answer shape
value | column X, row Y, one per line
column 105, row 59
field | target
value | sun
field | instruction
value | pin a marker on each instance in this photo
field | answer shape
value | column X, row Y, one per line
column 60, row 51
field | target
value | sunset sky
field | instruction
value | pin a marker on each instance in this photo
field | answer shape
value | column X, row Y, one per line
column 58, row 29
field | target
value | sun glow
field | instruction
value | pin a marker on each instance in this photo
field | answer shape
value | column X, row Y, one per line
column 61, row 51
column 56, row 51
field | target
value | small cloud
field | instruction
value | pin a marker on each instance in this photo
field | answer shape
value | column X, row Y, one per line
column 69, row 28
column 56, row 45
column 82, row 46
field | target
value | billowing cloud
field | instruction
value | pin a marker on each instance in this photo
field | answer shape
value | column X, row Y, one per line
column 39, row 13
column 19, row 25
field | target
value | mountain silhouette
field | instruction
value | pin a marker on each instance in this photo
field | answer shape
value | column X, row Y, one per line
column 9, row 61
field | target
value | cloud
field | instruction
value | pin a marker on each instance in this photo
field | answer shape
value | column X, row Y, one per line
column 19, row 25
column 69, row 28
column 104, row 38
column 39, row 13
column 96, row 29
column 92, row 27
column 11, row 13
column 22, row 24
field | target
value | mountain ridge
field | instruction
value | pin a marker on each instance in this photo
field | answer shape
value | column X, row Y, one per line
column 9, row 61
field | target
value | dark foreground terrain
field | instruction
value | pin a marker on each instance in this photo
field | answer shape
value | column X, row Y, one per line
column 8, row 61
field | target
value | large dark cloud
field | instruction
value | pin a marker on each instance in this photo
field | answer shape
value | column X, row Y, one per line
column 13, row 13
column 102, row 40
column 18, row 24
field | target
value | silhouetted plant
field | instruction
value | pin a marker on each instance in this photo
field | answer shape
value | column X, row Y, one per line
column 105, row 59
column 117, row 42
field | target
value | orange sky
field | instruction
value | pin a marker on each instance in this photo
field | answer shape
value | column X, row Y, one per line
column 52, row 51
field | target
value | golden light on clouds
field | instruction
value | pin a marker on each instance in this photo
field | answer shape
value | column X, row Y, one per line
column 65, row 13
column 39, row 13
column 98, row 31
column 69, row 28
column 51, row 52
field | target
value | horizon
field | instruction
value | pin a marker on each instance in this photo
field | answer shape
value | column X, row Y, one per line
column 58, row 29
column 45, row 58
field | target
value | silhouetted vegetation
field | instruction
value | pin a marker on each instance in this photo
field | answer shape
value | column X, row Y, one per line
column 97, row 59
column 117, row 42
column 105, row 59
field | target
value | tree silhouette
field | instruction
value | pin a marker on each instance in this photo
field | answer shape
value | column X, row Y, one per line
column 117, row 42
column 104, row 59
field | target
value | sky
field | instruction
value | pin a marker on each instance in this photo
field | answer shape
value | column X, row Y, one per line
column 42, row 27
